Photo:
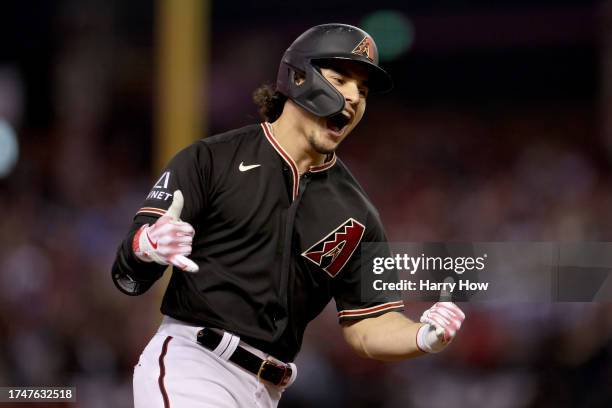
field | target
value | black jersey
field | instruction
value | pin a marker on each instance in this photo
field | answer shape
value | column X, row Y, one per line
column 273, row 247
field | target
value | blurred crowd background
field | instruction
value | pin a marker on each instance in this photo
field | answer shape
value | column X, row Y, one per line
column 499, row 128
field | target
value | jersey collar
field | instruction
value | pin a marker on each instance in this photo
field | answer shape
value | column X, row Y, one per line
column 329, row 162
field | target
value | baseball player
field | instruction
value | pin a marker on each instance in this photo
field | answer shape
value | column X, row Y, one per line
column 263, row 227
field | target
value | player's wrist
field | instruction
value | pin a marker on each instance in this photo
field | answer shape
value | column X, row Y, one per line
column 427, row 341
column 140, row 245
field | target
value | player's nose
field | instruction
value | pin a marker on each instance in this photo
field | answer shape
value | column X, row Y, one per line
column 351, row 93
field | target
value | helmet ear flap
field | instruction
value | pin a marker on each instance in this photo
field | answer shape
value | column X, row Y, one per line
column 322, row 98
column 315, row 94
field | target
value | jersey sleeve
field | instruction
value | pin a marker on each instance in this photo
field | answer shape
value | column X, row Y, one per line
column 189, row 171
column 353, row 291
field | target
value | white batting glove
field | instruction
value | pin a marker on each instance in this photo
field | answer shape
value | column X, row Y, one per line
column 168, row 241
column 442, row 321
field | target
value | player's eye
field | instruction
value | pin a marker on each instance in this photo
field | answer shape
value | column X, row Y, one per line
column 363, row 92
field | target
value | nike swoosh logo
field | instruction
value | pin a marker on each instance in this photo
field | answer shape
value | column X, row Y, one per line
column 242, row 167
column 153, row 244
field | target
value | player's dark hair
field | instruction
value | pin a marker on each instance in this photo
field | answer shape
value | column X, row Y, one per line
column 269, row 101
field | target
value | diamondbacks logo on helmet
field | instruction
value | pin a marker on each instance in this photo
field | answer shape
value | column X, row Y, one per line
column 333, row 252
column 364, row 48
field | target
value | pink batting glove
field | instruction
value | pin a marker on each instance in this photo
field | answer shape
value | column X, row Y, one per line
column 442, row 321
column 168, row 241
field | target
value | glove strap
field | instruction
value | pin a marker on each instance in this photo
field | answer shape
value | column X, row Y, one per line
column 140, row 244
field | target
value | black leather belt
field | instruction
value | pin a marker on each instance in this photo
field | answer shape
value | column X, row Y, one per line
column 268, row 370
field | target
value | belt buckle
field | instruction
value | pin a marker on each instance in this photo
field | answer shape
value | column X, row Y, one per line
column 284, row 380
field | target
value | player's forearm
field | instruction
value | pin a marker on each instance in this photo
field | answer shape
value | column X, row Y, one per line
column 390, row 337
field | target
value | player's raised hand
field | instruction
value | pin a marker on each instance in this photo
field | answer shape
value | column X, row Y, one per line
column 442, row 321
column 168, row 241
column 176, row 206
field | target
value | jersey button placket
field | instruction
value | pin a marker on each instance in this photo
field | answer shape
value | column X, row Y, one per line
column 304, row 179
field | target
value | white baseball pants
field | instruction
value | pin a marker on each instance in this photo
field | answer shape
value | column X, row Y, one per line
column 175, row 371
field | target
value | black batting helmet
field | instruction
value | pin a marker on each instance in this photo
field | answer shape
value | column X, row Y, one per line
column 327, row 42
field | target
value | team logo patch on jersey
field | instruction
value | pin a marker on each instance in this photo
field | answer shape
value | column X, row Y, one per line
column 365, row 48
column 160, row 189
column 163, row 181
column 333, row 252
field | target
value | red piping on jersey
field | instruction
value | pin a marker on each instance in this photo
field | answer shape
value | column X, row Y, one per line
column 369, row 310
column 324, row 166
column 152, row 210
column 162, row 372
column 294, row 170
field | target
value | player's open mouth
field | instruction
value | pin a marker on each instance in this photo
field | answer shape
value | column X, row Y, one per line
column 338, row 122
